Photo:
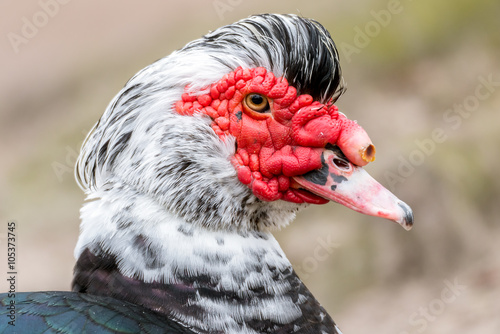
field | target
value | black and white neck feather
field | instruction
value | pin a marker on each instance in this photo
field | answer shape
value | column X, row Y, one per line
column 167, row 224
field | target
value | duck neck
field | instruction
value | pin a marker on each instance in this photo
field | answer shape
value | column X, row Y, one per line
column 131, row 248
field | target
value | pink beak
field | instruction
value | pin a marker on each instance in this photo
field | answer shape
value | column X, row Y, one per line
column 343, row 182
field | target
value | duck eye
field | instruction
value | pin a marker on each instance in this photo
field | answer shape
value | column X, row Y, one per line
column 257, row 102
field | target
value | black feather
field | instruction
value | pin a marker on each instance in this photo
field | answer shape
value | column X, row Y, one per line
column 72, row 312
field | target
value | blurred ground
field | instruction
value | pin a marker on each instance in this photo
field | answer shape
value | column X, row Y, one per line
column 422, row 79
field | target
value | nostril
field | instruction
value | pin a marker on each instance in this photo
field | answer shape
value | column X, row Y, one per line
column 341, row 164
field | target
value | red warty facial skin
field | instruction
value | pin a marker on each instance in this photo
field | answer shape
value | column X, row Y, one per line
column 284, row 140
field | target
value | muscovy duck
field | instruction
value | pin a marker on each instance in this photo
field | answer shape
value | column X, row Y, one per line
column 193, row 164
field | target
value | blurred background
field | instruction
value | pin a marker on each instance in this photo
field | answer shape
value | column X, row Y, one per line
column 423, row 79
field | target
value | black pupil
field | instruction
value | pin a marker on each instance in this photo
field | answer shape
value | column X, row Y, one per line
column 257, row 99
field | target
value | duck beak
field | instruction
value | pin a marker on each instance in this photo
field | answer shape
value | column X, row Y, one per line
column 343, row 182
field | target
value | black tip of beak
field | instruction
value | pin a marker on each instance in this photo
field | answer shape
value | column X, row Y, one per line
column 407, row 221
